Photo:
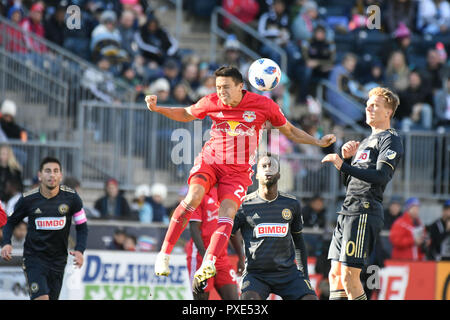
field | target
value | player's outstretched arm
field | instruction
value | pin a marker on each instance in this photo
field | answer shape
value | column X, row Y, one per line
column 174, row 113
column 299, row 136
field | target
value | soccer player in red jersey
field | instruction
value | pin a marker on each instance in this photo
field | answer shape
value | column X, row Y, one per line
column 239, row 117
column 202, row 225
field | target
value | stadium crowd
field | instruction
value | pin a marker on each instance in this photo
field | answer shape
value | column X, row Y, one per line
column 323, row 41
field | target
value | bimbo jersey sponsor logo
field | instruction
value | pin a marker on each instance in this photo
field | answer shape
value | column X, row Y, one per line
column 50, row 223
column 271, row 230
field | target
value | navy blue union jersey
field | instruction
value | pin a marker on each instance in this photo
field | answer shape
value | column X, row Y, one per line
column 364, row 197
column 49, row 222
column 266, row 228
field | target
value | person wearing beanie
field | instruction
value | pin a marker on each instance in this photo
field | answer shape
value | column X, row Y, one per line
column 7, row 123
column 408, row 236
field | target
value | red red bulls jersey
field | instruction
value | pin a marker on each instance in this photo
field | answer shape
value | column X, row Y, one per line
column 236, row 131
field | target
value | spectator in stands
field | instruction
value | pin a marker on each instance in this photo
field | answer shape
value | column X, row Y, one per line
column 207, row 86
column 342, row 78
column 274, row 25
column 77, row 40
column 113, row 205
column 415, row 104
column 19, row 235
column 306, row 21
column 245, row 10
column 433, row 16
column 130, row 243
column 143, row 208
column 171, row 71
column 401, row 42
column 9, row 169
column 55, row 25
column 233, row 55
column 397, row 72
column 100, row 84
column 33, row 24
column 319, row 56
column 190, row 80
column 10, row 37
column 118, row 239
column 180, row 95
column 376, row 76
column 13, row 192
column 442, row 106
column 154, row 42
column 392, row 212
column 439, row 232
column 158, row 194
column 314, row 214
column 106, row 40
column 398, row 11
column 161, row 88
column 434, row 69
column 8, row 124
column 127, row 30
column 408, row 234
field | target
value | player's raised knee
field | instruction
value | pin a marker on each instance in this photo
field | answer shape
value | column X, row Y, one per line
column 195, row 195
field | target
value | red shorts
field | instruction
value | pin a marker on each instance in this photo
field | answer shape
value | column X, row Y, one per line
column 232, row 180
column 225, row 274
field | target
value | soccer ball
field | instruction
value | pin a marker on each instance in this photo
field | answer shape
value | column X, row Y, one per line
column 264, row 74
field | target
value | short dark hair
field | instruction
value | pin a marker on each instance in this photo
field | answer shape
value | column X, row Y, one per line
column 228, row 71
column 49, row 160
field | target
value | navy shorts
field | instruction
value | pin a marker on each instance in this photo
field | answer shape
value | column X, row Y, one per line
column 354, row 239
column 41, row 279
column 290, row 286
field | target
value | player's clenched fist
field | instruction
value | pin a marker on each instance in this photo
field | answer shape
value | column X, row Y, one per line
column 151, row 102
column 327, row 140
column 349, row 149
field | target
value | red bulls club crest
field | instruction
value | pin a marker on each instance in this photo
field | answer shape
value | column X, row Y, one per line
column 249, row 116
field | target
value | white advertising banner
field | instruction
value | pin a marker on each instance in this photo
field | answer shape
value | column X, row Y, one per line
column 118, row 275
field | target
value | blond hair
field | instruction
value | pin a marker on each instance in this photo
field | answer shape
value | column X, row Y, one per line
column 13, row 164
column 392, row 100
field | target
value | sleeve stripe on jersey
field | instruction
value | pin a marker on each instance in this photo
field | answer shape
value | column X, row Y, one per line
column 80, row 217
column 193, row 219
column 225, row 220
column 390, row 165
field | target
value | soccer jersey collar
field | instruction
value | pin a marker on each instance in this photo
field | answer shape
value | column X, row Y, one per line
column 268, row 201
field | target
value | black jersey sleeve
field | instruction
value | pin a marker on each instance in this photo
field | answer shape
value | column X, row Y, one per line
column 18, row 215
column 297, row 219
column 391, row 150
column 238, row 220
column 381, row 175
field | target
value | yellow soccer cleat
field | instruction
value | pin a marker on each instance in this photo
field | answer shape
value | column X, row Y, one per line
column 207, row 270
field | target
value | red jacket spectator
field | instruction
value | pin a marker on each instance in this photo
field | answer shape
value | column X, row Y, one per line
column 33, row 24
column 13, row 39
column 244, row 10
column 408, row 234
column 3, row 216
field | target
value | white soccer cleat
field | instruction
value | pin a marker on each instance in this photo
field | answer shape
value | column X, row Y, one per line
column 207, row 270
column 162, row 264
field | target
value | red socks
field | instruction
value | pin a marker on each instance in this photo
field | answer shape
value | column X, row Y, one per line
column 178, row 223
column 219, row 239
